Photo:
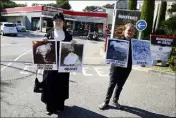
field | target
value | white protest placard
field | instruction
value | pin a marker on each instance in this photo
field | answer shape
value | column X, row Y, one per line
column 141, row 52
column 44, row 54
column 71, row 57
column 160, row 52
column 117, row 52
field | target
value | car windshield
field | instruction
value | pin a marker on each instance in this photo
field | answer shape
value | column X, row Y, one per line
column 9, row 25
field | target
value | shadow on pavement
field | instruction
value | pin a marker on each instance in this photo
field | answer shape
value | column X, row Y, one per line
column 140, row 112
column 31, row 73
column 76, row 112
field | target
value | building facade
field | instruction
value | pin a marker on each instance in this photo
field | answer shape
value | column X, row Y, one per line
column 36, row 17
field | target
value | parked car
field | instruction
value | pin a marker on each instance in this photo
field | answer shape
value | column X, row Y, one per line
column 8, row 28
column 20, row 27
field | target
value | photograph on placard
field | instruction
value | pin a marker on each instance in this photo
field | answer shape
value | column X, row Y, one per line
column 71, row 57
column 44, row 54
column 117, row 52
column 160, row 52
column 141, row 52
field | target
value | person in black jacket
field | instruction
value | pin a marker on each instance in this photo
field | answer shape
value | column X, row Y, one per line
column 56, row 84
column 119, row 75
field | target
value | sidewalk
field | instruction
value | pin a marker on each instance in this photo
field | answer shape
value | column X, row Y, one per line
column 139, row 68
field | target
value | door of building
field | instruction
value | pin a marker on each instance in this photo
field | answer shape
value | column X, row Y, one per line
column 35, row 23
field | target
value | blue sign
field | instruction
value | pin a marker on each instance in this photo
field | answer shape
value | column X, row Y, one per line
column 141, row 25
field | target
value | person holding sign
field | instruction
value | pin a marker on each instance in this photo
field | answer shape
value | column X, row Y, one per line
column 56, row 85
column 119, row 75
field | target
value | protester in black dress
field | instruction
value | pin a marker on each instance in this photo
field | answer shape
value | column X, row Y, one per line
column 56, row 85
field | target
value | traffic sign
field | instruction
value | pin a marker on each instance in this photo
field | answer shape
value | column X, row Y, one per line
column 141, row 25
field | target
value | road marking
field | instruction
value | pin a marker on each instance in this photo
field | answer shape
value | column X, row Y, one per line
column 84, row 72
column 26, row 68
column 15, row 59
column 100, row 73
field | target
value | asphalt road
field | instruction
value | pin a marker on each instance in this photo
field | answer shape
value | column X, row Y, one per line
column 145, row 94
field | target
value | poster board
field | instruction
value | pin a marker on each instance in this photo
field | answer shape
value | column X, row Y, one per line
column 117, row 52
column 71, row 57
column 44, row 54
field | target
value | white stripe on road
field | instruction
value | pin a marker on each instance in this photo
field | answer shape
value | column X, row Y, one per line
column 15, row 59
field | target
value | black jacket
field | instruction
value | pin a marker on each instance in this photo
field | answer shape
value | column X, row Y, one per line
column 56, row 85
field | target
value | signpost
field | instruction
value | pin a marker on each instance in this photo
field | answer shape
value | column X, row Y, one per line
column 141, row 25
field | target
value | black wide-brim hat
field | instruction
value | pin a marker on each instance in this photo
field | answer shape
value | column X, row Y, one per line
column 59, row 16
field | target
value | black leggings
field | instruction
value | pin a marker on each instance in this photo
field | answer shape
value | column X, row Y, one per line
column 118, row 77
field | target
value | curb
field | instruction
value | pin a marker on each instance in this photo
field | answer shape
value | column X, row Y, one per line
column 143, row 69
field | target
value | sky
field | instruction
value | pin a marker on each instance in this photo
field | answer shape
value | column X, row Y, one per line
column 76, row 5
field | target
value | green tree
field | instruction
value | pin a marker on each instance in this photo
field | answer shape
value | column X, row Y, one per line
column 147, row 15
column 168, row 26
column 51, row 5
column 109, row 6
column 1, row 8
column 63, row 4
column 132, row 4
column 162, row 13
column 90, row 8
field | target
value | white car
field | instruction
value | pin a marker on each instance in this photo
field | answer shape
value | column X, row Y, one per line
column 8, row 28
column 20, row 27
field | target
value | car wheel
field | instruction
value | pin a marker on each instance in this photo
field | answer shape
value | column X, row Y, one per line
column 15, row 34
column 3, row 34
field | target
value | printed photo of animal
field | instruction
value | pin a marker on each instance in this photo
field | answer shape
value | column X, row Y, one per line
column 44, row 52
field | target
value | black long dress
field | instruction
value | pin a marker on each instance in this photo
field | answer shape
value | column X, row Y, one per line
column 56, row 86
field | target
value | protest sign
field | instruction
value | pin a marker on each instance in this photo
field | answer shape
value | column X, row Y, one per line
column 160, row 52
column 121, row 18
column 141, row 52
column 163, row 40
column 71, row 57
column 161, row 46
column 117, row 52
column 44, row 54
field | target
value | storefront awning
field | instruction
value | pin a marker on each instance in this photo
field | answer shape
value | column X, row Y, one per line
column 90, row 19
column 86, row 19
column 13, row 15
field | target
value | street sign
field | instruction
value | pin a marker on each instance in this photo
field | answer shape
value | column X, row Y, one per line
column 141, row 25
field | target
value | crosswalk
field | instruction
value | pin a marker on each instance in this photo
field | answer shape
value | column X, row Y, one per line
column 90, row 71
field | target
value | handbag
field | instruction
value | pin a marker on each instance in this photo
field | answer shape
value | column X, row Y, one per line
column 38, row 86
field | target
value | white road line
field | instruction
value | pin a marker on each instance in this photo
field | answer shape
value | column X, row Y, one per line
column 15, row 59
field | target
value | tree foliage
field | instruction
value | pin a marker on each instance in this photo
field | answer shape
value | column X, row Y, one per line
column 63, row 4
column 109, row 6
column 132, row 4
column 162, row 13
column 8, row 4
column 90, row 8
column 172, row 9
column 147, row 15
column 59, row 3
column 167, row 27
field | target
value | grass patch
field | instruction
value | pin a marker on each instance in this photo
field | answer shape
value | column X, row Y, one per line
column 163, row 69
